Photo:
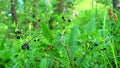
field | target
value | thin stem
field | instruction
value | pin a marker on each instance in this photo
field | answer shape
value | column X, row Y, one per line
column 86, row 52
column 31, row 39
column 71, row 63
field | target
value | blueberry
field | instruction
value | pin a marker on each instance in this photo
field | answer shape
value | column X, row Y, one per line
column 69, row 20
column 18, row 37
column 35, row 40
column 75, row 59
column 28, row 47
column 96, row 43
column 23, row 47
column 103, row 49
column 63, row 17
column 38, row 40
column 39, row 20
column 91, row 48
column 19, row 32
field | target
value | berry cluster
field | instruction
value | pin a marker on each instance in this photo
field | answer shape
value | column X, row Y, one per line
column 25, row 46
column 63, row 19
column 18, row 33
column 35, row 40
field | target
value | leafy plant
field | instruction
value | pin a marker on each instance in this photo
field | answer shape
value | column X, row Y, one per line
column 84, row 36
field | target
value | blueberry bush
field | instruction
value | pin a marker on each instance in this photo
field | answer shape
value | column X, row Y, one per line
column 59, row 34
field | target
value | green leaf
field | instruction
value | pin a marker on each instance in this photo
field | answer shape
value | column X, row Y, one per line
column 43, row 63
column 2, row 42
column 58, row 45
column 46, row 30
column 57, row 42
column 91, row 27
column 73, row 41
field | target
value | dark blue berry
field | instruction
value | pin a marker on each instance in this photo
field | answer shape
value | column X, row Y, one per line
column 96, row 43
column 69, row 20
column 39, row 20
column 37, row 39
column 19, row 32
column 103, row 49
column 75, row 59
column 23, row 47
column 91, row 48
column 63, row 17
column 28, row 47
column 18, row 37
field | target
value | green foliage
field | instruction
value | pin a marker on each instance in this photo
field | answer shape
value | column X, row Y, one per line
column 73, row 45
column 43, row 63
column 91, row 27
column 46, row 31
column 106, row 2
column 89, row 40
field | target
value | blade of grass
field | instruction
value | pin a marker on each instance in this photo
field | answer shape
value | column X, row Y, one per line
column 113, row 51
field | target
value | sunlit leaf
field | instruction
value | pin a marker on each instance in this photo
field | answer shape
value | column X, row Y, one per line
column 75, row 33
column 43, row 63
column 46, row 30
column 91, row 27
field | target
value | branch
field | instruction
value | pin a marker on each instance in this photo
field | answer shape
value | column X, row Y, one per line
column 71, row 63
